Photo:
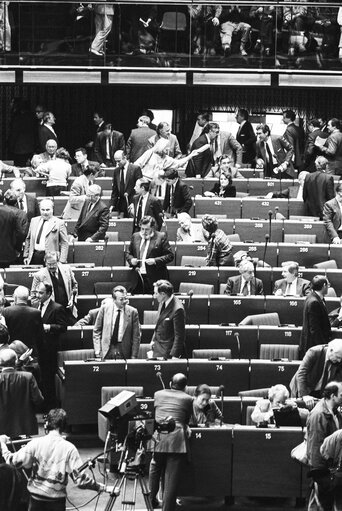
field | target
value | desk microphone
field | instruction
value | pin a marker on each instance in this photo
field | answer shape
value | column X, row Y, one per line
column 188, row 309
column 159, row 376
column 270, row 214
column 221, row 394
column 267, row 238
column 237, row 337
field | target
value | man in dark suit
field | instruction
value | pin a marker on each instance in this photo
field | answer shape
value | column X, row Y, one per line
column 82, row 163
column 10, row 200
column 20, row 398
column 125, row 176
column 332, row 217
column 246, row 283
column 246, row 137
column 46, row 131
column 295, row 136
column 149, row 252
column 318, row 188
column 316, row 325
column 169, row 456
column 12, row 230
column 24, row 323
column 54, row 323
column 117, row 329
column 27, row 202
column 201, row 164
column 291, row 284
column 274, row 154
column 168, row 339
column 310, row 150
column 177, row 194
column 145, row 204
column 332, row 148
column 107, row 143
column 93, row 221
column 99, row 123
column 137, row 142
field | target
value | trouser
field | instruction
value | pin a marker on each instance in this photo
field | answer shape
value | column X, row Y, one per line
column 115, row 351
column 5, row 28
column 54, row 191
column 325, row 496
column 103, row 26
column 38, row 257
column 169, row 466
column 46, row 505
column 227, row 30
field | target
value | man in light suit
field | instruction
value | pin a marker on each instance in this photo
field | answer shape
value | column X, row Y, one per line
column 138, row 141
column 274, row 154
column 246, row 283
column 332, row 148
column 125, row 176
column 145, row 204
column 46, row 233
column 149, row 253
column 201, row 164
column 93, row 221
column 117, row 328
column 104, row 14
column 332, row 218
column 246, row 137
column 27, row 202
column 164, row 131
column 229, row 146
column 318, row 188
column 78, row 194
column 107, row 143
column 63, row 282
column 291, row 284
column 168, row 339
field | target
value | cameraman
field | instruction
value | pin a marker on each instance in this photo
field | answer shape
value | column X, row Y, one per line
column 51, row 458
column 170, row 446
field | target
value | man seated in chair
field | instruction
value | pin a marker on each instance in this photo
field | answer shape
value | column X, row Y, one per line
column 291, row 284
column 246, row 283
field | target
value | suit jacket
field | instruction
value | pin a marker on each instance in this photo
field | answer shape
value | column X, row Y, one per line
column 302, row 288
column 32, row 206
column 56, row 239
column 318, row 189
column 159, row 248
column 19, row 399
column 93, row 224
column 230, row 191
column 78, row 192
column 283, row 152
column 173, row 148
column 24, row 323
column 55, row 316
column 316, row 325
column 169, row 335
column 137, row 142
column 43, row 276
column 246, row 137
column 234, row 285
column 202, row 163
column 231, row 147
column 332, row 218
column 311, row 151
column 12, row 230
column 182, row 200
column 24, row 227
column 45, row 134
column 333, row 152
column 104, row 326
column 118, row 201
column 77, row 170
column 295, row 137
column 153, row 208
column 117, row 142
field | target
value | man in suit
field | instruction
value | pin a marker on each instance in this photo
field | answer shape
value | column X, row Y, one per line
column 54, row 323
column 137, row 142
column 46, row 233
column 316, row 325
column 291, row 284
column 177, row 194
column 20, row 398
column 125, row 176
column 246, row 284
column 24, row 323
column 63, row 282
column 10, row 201
column 145, row 204
column 332, row 217
column 117, row 328
column 335, row 316
column 49, row 153
column 295, row 136
column 201, row 164
column 311, row 151
column 78, row 194
column 93, row 221
column 82, row 163
column 164, row 131
column 169, row 456
column 229, row 146
column 13, row 229
column 274, row 154
column 99, row 123
column 168, row 339
column 332, row 148
column 27, row 202
column 318, row 188
column 107, row 143
column 246, row 137
column 149, row 252
column 46, row 130
column 201, row 121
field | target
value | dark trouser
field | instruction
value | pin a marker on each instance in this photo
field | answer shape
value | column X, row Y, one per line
column 114, row 352
column 38, row 257
column 144, row 286
column 55, row 190
column 46, row 505
column 326, row 493
column 168, row 465
column 48, row 366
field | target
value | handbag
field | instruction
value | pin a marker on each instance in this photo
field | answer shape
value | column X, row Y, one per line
column 299, row 453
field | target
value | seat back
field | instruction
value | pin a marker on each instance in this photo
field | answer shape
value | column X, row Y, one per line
column 270, row 318
column 300, row 238
column 330, row 264
column 190, row 389
column 249, row 411
column 263, row 392
column 112, row 236
column 103, row 288
column 234, row 238
column 212, row 354
column 194, row 261
column 150, row 317
column 174, row 20
column 63, row 356
column 331, row 292
column 222, row 288
column 277, row 351
column 197, row 288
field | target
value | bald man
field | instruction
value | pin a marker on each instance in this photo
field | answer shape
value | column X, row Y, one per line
column 125, row 176
column 93, row 221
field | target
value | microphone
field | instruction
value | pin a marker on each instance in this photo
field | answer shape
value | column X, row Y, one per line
column 255, row 261
column 270, row 213
column 221, row 394
column 159, row 376
column 267, row 238
column 188, row 309
column 126, row 198
column 162, row 216
column 237, row 337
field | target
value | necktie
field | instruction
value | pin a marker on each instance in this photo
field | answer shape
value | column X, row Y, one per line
column 89, row 207
column 287, row 290
column 21, row 204
column 122, row 182
column 269, row 154
column 142, row 249
column 115, row 336
column 245, row 289
column 162, row 308
column 39, row 235
column 326, row 375
column 171, row 199
column 139, row 211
